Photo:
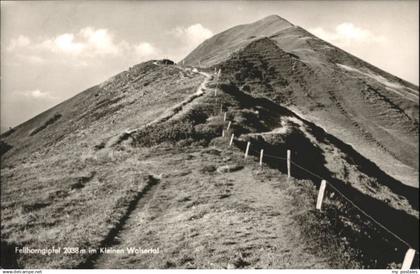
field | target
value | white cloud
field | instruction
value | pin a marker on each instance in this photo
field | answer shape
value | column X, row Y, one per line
column 86, row 47
column 20, row 42
column 88, row 42
column 347, row 33
column 146, row 50
column 101, row 42
column 91, row 46
column 37, row 94
column 193, row 35
column 63, row 43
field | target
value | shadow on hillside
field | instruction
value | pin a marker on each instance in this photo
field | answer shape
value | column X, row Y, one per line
column 110, row 239
column 8, row 256
column 380, row 247
column 368, row 167
column 4, row 147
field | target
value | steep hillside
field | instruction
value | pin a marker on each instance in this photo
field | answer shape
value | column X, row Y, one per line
column 221, row 46
column 57, row 188
column 165, row 183
column 125, row 101
column 364, row 106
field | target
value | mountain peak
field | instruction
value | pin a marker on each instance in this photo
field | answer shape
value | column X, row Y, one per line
column 275, row 18
column 223, row 44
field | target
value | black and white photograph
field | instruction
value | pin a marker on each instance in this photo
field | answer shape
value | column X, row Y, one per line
column 212, row 135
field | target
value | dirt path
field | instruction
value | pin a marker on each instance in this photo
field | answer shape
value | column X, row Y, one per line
column 199, row 218
column 136, row 204
column 176, row 109
column 101, row 260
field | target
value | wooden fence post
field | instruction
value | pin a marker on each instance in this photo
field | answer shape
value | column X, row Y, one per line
column 217, row 83
column 231, row 139
column 224, row 118
column 247, row 149
column 261, row 156
column 288, row 163
column 223, row 133
column 408, row 259
column 228, row 127
column 321, row 194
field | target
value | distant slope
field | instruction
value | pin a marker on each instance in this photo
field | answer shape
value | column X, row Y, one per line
column 60, row 185
column 222, row 45
column 371, row 109
column 102, row 111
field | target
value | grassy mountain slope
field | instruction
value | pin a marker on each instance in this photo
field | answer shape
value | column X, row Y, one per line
column 364, row 106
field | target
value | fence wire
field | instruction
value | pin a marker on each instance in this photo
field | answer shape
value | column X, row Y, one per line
column 337, row 191
column 328, row 183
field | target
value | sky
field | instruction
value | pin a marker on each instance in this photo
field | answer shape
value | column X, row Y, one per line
column 51, row 51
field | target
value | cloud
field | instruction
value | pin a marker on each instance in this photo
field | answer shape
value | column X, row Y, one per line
column 20, row 42
column 146, row 50
column 88, row 42
column 192, row 35
column 91, row 46
column 86, row 47
column 21, row 104
column 63, row 43
column 37, row 94
column 101, row 42
column 347, row 33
